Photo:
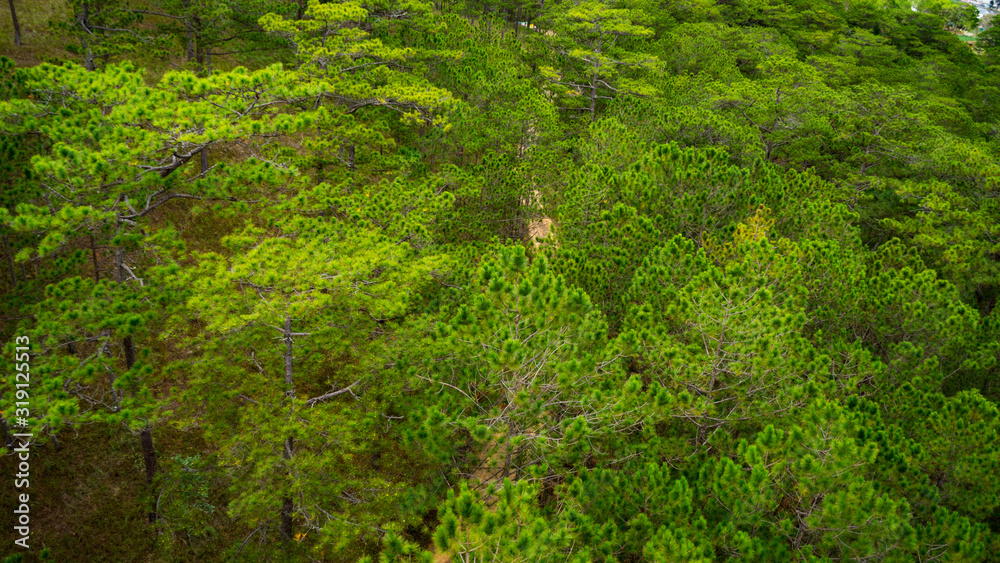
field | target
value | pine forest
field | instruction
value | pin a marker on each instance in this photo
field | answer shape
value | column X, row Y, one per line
column 499, row 281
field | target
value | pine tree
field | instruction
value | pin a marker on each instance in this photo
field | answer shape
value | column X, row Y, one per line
column 328, row 288
column 515, row 358
column 586, row 35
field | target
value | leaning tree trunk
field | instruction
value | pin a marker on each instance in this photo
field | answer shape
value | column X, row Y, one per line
column 17, row 27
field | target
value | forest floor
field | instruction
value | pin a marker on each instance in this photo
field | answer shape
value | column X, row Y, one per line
column 40, row 41
column 541, row 227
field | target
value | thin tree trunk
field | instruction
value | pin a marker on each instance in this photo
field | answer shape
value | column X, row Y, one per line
column 119, row 274
column 111, row 385
column 93, row 255
column 593, row 97
column 146, row 434
column 593, row 82
column 508, row 458
column 17, row 27
column 129, row 347
column 10, row 261
column 289, row 390
column 8, row 438
column 148, row 458
column 88, row 58
column 204, row 160
column 199, row 51
column 302, row 10
column 286, row 504
column 190, row 34
column 88, row 55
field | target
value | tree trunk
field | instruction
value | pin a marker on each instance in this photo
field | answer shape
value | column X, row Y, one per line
column 148, row 458
column 204, row 160
column 508, row 454
column 289, row 390
column 8, row 438
column 93, row 255
column 302, row 10
column 10, row 261
column 199, row 50
column 114, row 393
column 88, row 55
column 17, row 27
column 286, row 504
column 146, row 434
column 593, row 81
column 190, row 33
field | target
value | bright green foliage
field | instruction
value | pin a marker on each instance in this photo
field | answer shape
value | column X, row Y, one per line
column 956, row 14
column 604, row 263
column 783, row 109
column 914, row 320
column 349, row 65
column 501, row 111
column 518, row 354
column 956, row 232
column 958, row 442
column 512, row 530
column 638, row 510
column 117, row 148
column 118, row 144
column 950, row 536
column 79, row 331
column 354, row 272
column 493, row 198
column 492, row 280
column 585, row 34
column 807, row 484
column 720, row 332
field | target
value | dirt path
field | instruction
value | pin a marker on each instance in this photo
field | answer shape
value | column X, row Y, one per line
column 540, row 227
